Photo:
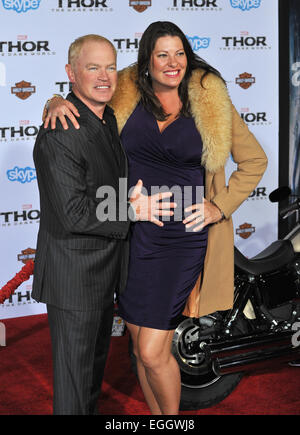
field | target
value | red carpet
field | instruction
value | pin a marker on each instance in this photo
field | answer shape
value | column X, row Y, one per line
column 26, row 380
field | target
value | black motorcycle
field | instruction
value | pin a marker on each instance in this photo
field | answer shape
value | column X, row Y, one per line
column 215, row 351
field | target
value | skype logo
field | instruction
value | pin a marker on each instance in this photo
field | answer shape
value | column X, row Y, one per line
column 21, row 5
column 23, row 175
column 197, row 43
column 245, row 5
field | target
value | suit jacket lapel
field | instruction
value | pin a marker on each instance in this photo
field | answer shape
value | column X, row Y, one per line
column 96, row 128
column 122, row 158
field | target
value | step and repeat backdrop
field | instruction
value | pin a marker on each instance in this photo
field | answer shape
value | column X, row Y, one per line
column 238, row 37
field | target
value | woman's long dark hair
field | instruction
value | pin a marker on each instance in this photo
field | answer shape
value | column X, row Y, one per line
column 146, row 47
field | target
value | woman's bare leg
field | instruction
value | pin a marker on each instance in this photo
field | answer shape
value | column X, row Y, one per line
column 148, row 393
column 161, row 368
column 158, row 370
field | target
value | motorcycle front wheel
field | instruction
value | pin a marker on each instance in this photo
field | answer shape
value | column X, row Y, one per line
column 200, row 386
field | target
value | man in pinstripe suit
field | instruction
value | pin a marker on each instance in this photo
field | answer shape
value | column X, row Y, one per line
column 81, row 261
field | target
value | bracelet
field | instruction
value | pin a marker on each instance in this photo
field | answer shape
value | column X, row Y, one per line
column 48, row 101
column 222, row 213
column 46, row 107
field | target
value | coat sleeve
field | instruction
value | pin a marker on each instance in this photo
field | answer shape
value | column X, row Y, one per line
column 251, row 163
column 62, row 173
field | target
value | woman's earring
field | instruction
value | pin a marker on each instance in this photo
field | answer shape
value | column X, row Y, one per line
column 146, row 73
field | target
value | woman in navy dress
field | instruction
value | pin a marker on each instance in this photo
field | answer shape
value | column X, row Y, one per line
column 164, row 148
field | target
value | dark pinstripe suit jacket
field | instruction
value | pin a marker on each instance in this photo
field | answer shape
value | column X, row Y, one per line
column 78, row 256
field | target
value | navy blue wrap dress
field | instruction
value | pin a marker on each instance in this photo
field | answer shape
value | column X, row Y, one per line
column 165, row 262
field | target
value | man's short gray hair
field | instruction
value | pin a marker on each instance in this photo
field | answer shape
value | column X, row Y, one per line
column 76, row 46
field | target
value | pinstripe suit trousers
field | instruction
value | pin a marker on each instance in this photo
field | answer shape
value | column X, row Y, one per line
column 80, row 343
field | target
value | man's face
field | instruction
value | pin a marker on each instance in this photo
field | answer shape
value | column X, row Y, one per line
column 94, row 74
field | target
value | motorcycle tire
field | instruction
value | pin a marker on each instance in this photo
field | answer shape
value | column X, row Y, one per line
column 193, row 399
column 200, row 387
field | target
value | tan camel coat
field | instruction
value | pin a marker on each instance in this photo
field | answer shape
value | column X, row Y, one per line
column 223, row 132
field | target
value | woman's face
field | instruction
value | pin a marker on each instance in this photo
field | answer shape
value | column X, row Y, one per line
column 167, row 64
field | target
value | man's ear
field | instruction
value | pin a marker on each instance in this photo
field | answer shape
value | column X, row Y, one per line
column 70, row 72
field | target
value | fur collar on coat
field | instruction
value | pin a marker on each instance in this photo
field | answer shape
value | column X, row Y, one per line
column 211, row 109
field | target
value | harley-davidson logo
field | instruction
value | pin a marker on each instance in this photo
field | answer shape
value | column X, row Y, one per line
column 140, row 5
column 245, row 230
column 23, row 90
column 26, row 255
column 245, row 80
